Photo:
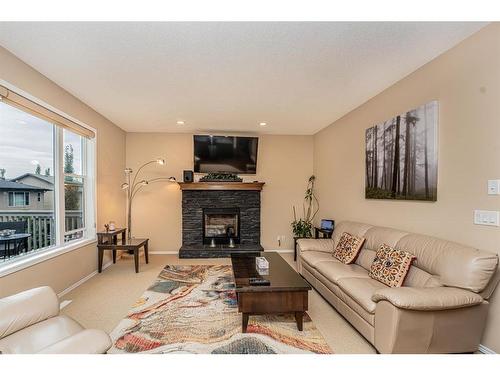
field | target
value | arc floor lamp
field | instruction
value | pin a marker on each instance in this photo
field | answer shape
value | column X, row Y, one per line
column 132, row 188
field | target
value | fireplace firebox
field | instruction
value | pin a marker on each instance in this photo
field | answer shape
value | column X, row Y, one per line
column 221, row 224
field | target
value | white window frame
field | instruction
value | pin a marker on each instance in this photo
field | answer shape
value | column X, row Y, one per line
column 87, row 176
column 89, row 169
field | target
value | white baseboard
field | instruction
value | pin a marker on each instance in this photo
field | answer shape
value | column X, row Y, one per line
column 80, row 282
column 485, row 350
column 64, row 303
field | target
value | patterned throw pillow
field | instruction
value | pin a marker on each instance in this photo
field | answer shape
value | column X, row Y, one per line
column 348, row 248
column 391, row 266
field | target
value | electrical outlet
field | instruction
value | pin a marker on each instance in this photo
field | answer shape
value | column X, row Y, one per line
column 493, row 187
column 483, row 217
column 281, row 240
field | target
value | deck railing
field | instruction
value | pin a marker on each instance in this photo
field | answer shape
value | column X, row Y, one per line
column 40, row 224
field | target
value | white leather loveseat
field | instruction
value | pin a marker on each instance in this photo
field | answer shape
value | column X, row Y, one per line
column 30, row 323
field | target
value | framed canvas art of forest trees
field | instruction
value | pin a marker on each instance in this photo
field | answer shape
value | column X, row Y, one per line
column 401, row 156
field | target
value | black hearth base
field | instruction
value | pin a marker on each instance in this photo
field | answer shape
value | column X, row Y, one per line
column 221, row 251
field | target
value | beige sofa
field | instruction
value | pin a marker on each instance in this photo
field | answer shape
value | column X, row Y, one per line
column 30, row 323
column 441, row 307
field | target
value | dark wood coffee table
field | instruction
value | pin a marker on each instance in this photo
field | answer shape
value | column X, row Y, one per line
column 287, row 292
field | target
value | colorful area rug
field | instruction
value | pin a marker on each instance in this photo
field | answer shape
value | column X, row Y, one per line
column 193, row 309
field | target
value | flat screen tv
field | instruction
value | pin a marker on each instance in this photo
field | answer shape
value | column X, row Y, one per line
column 216, row 153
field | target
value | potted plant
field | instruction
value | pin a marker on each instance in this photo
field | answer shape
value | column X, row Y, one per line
column 303, row 226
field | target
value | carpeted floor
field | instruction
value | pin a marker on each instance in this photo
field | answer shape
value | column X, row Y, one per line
column 104, row 300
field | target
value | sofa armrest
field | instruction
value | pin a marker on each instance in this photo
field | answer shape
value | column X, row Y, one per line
column 88, row 341
column 428, row 299
column 315, row 244
column 27, row 308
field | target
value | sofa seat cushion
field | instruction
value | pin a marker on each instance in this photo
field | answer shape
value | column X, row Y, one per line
column 88, row 341
column 361, row 290
column 312, row 258
column 334, row 271
column 38, row 336
column 346, row 299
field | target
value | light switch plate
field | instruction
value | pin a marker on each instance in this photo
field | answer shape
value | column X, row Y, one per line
column 483, row 217
column 493, row 187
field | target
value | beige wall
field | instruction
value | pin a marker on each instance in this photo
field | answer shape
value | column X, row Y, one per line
column 284, row 164
column 66, row 269
column 466, row 82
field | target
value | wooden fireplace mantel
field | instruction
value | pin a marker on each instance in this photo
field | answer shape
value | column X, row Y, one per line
column 221, row 185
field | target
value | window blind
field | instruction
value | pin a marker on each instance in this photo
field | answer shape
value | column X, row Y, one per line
column 10, row 97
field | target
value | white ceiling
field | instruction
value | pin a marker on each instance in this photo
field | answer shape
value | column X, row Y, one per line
column 298, row 77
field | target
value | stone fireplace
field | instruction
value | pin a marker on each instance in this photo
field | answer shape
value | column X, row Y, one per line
column 218, row 212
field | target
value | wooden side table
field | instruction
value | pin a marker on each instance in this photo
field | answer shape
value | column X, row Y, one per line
column 111, row 237
column 133, row 244
column 325, row 233
column 295, row 246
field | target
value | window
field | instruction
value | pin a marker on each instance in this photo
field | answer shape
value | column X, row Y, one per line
column 74, row 186
column 53, row 162
column 19, row 199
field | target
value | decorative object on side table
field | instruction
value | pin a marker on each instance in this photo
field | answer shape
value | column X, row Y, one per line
column 310, row 207
column 302, row 228
column 221, row 176
column 133, row 187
